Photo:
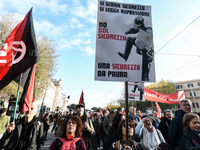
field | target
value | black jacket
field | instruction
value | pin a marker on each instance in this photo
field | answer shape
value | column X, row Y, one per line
column 176, row 129
column 191, row 141
column 164, row 129
column 9, row 141
column 113, row 136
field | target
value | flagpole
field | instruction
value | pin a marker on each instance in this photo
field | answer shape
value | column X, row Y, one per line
column 17, row 97
column 126, row 104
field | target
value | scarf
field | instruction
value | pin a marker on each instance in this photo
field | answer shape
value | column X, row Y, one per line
column 151, row 143
column 69, row 137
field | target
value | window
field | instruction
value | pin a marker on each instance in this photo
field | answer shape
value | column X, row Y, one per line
column 193, row 104
column 190, row 85
column 179, row 87
column 199, row 84
column 192, row 94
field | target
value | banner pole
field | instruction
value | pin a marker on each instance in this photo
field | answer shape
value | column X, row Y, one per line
column 17, row 97
column 126, row 108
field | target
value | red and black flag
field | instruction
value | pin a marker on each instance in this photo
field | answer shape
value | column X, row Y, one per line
column 28, row 94
column 18, row 54
column 81, row 101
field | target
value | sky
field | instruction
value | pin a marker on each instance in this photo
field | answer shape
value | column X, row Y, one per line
column 72, row 25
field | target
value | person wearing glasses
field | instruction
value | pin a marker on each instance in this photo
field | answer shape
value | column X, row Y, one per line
column 176, row 127
column 120, row 144
column 191, row 131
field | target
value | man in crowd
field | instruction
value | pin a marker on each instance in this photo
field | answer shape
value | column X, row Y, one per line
column 4, row 121
column 165, row 124
column 155, row 119
column 107, row 123
column 176, row 127
column 26, row 134
column 96, row 125
column 133, row 116
column 88, row 129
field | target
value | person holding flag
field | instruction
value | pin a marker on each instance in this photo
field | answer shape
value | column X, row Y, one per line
column 88, row 129
column 27, row 133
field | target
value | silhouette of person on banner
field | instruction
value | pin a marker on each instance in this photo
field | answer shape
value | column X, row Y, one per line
column 142, row 38
column 140, row 88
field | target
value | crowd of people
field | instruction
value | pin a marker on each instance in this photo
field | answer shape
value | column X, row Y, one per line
column 76, row 130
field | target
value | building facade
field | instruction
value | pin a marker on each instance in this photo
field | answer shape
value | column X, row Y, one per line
column 191, row 89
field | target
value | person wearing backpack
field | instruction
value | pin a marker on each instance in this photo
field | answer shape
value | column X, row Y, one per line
column 71, row 134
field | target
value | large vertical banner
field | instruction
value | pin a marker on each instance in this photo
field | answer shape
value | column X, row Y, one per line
column 124, row 43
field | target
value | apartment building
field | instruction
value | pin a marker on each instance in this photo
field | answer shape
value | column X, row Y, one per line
column 191, row 89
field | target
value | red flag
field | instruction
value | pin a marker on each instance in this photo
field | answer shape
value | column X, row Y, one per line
column 30, row 93
column 100, row 112
column 107, row 111
column 158, row 110
column 19, row 52
column 81, row 101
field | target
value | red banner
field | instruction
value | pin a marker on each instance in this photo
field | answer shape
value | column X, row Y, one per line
column 174, row 98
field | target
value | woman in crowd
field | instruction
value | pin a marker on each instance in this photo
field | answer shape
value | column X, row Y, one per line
column 71, row 136
column 113, row 134
column 191, row 130
column 150, row 138
column 120, row 144
column 46, row 122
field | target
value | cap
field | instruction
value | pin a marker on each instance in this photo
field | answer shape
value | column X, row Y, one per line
column 79, row 105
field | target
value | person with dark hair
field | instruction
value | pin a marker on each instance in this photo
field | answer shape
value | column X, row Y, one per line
column 191, row 131
column 88, row 129
column 24, row 134
column 4, row 121
column 107, row 123
column 46, row 122
column 165, row 124
column 150, row 137
column 176, row 127
column 113, row 134
column 70, row 137
column 97, row 125
column 120, row 144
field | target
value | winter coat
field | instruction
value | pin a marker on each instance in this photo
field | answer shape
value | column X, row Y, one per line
column 89, row 134
column 107, row 123
column 113, row 136
column 191, row 141
column 164, row 129
column 9, row 141
column 176, row 129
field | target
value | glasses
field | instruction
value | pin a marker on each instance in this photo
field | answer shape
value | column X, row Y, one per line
column 130, row 125
column 186, row 105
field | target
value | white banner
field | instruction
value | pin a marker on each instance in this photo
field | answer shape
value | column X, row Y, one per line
column 136, row 91
column 124, row 43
